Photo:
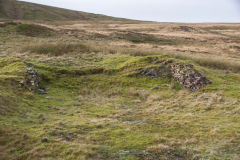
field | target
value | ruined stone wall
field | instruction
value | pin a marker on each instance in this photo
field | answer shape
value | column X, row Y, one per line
column 185, row 74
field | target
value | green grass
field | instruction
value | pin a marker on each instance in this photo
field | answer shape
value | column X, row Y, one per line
column 111, row 115
column 94, row 109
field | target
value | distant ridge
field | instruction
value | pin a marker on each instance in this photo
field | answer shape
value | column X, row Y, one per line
column 18, row 10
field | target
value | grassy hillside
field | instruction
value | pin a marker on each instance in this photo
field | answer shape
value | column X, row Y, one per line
column 12, row 9
column 113, row 90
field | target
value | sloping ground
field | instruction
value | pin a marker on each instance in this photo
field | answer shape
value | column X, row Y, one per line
column 107, row 114
column 12, row 9
column 114, row 99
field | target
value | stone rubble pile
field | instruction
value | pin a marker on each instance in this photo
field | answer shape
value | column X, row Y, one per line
column 31, row 81
column 185, row 74
column 188, row 77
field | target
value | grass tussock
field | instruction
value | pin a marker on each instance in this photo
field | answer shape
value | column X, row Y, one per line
column 55, row 49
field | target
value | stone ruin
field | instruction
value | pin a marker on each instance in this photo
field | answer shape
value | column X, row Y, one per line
column 185, row 74
column 31, row 81
column 188, row 77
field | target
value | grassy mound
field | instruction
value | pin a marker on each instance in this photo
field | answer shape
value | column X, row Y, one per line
column 33, row 30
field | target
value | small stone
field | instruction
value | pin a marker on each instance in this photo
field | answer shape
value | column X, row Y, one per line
column 41, row 91
column 21, row 83
column 144, row 90
column 205, row 98
column 156, row 88
column 44, row 88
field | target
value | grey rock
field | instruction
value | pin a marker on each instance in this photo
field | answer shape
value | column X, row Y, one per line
column 205, row 98
column 41, row 91
column 144, row 90
column 156, row 88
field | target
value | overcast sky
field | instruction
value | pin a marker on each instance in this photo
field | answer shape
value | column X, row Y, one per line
column 157, row 10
